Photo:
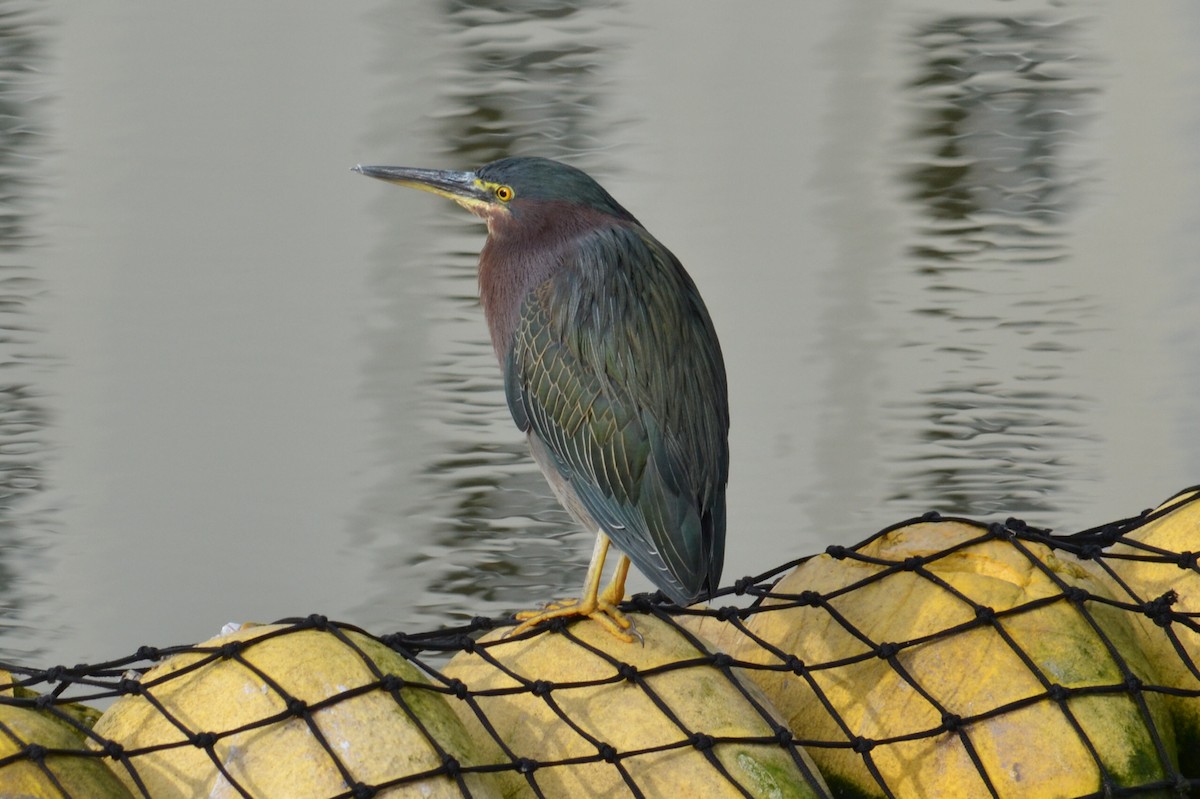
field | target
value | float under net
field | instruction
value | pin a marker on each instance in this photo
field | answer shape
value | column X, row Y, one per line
column 939, row 658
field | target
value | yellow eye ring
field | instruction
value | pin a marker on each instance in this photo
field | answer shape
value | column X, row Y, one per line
column 504, row 193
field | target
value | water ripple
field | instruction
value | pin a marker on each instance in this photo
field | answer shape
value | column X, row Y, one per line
column 994, row 182
column 26, row 527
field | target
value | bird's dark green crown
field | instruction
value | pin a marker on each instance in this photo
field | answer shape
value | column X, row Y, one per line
column 541, row 179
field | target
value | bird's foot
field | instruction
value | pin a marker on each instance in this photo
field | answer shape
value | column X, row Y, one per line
column 599, row 610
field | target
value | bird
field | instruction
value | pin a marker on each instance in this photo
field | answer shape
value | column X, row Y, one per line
column 612, row 369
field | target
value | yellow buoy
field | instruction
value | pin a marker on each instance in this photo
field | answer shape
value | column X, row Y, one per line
column 926, row 670
column 63, row 762
column 372, row 728
column 601, row 697
column 1151, row 565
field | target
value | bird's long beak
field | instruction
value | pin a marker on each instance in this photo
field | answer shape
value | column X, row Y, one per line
column 465, row 188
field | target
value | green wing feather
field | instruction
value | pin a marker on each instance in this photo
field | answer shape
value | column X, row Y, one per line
column 616, row 371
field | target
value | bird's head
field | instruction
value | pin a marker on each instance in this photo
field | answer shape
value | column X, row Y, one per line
column 510, row 190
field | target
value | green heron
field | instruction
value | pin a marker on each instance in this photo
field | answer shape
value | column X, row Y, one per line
column 611, row 368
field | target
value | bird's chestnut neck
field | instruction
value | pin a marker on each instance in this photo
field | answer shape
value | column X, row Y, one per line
column 527, row 243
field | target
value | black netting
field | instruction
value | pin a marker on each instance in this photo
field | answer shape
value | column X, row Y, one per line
column 941, row 657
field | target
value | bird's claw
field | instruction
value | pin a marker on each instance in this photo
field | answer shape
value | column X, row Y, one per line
column 603, row 612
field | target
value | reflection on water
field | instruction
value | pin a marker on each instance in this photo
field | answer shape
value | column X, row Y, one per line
column 23, row 418
column 1000, row 103
column 525, row 78
column 1001, row 100
column 529, row 79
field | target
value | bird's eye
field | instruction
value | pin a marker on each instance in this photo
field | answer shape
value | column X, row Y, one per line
column 504, row 193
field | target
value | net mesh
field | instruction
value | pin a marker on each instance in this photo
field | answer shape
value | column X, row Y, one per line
column 940, row 657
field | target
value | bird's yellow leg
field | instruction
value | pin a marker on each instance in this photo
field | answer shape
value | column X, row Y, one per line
column 615, row 591
column 600, row 608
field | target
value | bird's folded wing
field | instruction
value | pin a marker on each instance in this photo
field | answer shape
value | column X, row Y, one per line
column 603, row 372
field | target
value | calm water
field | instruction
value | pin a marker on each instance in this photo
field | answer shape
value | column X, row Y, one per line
column 952, row 259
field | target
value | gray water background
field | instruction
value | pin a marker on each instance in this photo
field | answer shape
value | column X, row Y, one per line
column 952, row 258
